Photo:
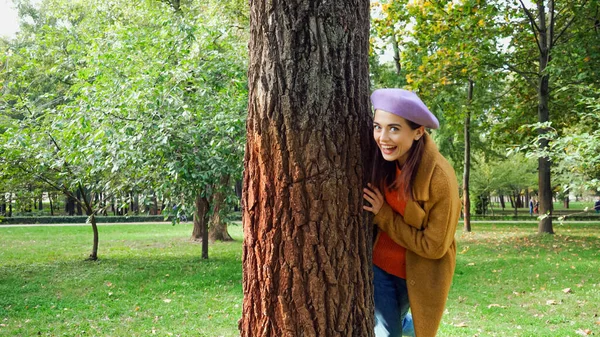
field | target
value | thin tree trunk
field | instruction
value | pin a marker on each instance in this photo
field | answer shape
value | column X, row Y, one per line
column 467, row 167
column 396, row 50
column 218, row 228
column 200, row 231
column 544, row 181
column 307, row 247
column 94, row 254
column 154, row 204
column 10, row 208
column 51, row 205
column 78, row 205
column 566, row 202
column 502, row 204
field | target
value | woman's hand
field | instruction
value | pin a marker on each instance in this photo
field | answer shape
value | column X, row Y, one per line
column 374, row 197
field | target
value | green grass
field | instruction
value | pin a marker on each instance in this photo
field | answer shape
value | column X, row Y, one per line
column 509, row 282
column 148, row 279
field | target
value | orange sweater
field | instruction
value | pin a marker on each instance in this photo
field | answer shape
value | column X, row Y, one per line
column 387, row 254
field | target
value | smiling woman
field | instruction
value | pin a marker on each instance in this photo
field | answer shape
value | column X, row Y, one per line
column 8, row 19
column 414, row 197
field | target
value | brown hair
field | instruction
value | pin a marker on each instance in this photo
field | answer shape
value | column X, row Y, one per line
column 383, row 173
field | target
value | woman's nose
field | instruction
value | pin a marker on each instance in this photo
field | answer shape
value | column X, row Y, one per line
column 383, row 135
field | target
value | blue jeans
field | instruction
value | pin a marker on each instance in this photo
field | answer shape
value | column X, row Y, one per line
column 391, row 305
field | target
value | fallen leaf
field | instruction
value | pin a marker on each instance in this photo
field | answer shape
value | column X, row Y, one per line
column 461, row 325
column 470, row 264
column 108, row 284
column 585, row 332
column 495, row 306
column 166, row 300
column 567, row 290
column 551, row 302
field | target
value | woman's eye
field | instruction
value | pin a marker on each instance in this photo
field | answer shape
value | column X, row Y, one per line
column 376, row 127
column 394, row 129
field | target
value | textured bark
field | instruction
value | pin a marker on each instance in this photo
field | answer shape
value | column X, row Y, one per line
column 218, row 228
column 307, row 245
column 200, row 217
column 467, row 167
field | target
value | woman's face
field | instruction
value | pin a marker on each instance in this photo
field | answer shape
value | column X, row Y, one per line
column 393, row 135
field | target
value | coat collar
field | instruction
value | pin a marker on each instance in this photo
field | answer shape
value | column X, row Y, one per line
column 425, row 170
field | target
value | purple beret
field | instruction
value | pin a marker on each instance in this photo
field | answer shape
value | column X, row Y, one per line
column 405, row 104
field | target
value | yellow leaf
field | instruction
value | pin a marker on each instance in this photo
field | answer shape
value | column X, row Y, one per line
column 481, row 23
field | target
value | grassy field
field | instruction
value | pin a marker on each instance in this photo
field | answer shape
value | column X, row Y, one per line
column 150, row 281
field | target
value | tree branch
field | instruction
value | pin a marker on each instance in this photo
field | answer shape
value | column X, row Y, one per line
column 534, row 27
column 567, row 25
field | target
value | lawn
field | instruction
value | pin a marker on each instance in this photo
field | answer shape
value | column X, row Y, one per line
column 150, row 281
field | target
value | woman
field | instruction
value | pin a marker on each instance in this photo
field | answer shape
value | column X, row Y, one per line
column 414, row 197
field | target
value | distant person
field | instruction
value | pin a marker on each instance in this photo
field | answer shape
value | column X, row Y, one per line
column 531, row 203
column 597, row 205
column 536, row 208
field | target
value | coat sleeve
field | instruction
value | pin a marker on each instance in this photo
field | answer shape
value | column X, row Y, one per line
column 435, row 235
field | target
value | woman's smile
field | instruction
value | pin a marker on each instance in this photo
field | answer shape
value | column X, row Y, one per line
column 387, row 149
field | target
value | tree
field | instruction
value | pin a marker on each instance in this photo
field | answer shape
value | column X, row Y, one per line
column 306, row 260
column 136, row 97
column 552, row 27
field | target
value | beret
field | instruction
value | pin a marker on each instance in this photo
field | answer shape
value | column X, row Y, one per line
column 405, row 104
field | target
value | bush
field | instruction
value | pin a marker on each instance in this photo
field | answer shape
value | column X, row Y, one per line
column 80, row 219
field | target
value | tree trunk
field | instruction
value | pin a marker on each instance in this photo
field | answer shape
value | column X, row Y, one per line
column 566, row 202
column 544, row 182
column 10, row 208
column 79, row 197
column 51, row 205
column 154, row 205
column 94, row 255
column 41, row 202
column 513, row 201
column 396, row 50
column 467, row 167
column 218, row 228
column 200, row 231
column 502, row 204
column 199, row 211
column 307, row 244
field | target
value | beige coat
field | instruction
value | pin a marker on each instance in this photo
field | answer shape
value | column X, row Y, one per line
column 427, row 231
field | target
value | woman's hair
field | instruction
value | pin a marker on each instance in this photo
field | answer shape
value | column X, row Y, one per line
column 384, row 172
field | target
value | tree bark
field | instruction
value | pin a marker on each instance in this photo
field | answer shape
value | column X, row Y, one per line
column 94, row 254
column 200, row 231
column 218, row 228
column 544, row 181
column 396, row 50
column 307, row 267
column 78, row 205
column 467, row 167
column 51, row 205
